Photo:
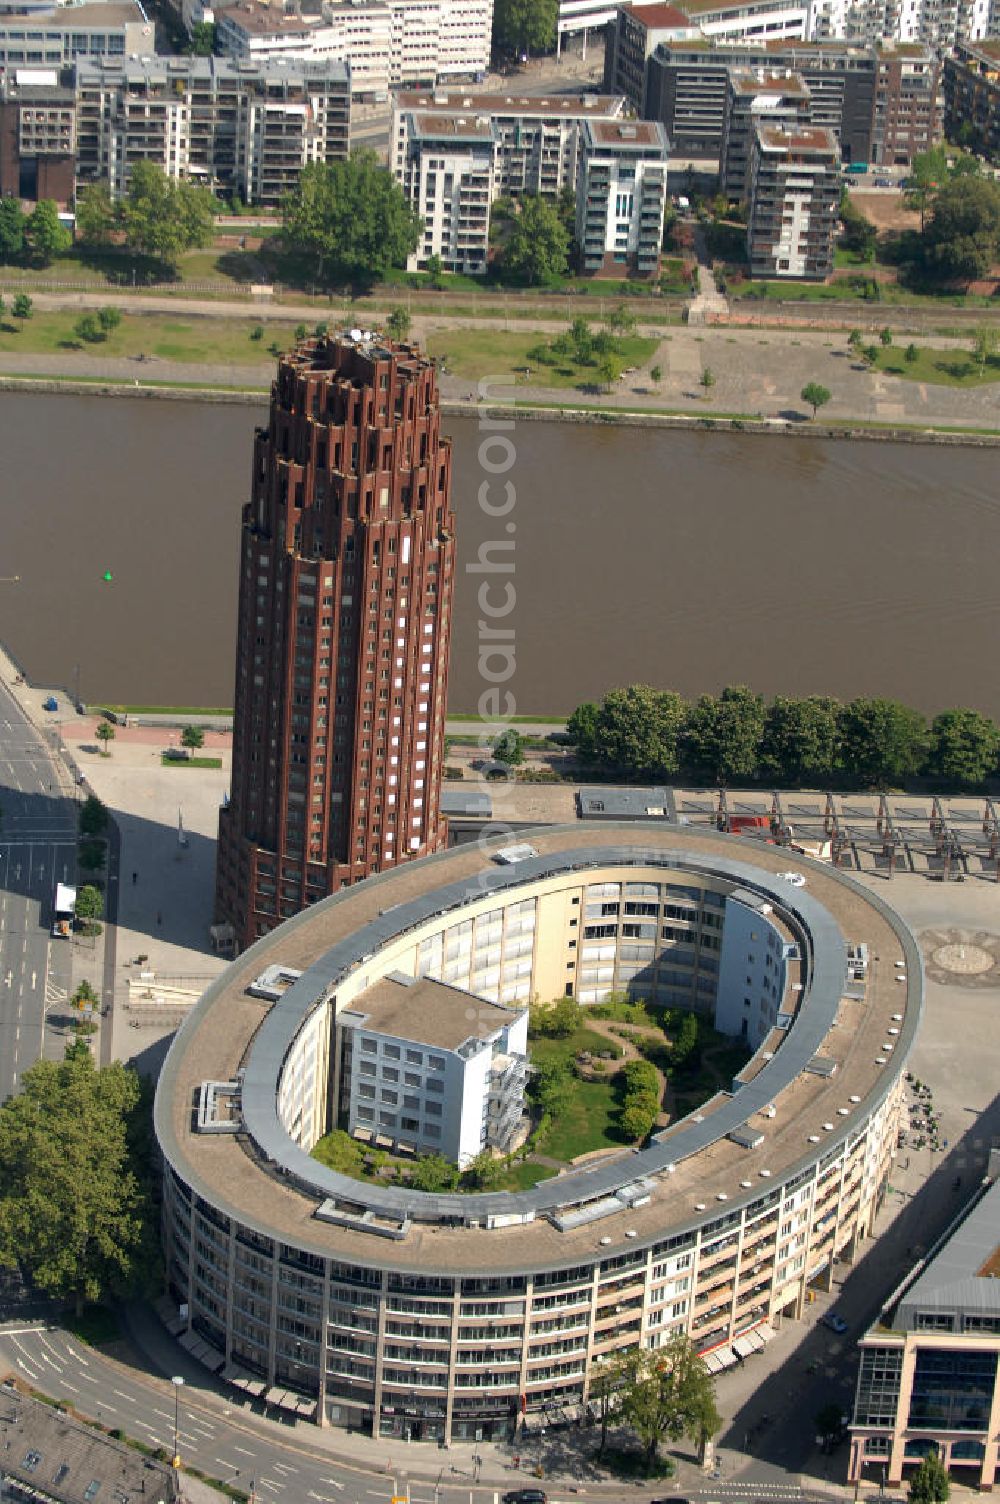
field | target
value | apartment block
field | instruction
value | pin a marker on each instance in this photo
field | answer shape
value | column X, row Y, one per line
column 880, row 102
column 536, row 139
column 794, row 195
column 53, row 37
column 621, row 195
column 972, row 95
column 38, row 134
column 447, row 174
column 927, row 1378
column 430, row 1068
column 630, row 41
column 238, row 128
column 756, row 98
column 395, row 43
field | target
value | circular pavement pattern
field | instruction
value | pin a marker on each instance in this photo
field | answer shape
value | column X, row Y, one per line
column 962, row 958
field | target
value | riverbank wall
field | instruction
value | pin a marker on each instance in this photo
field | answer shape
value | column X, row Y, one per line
column 539, row 412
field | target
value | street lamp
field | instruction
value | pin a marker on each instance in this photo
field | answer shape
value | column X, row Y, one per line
column 178, row 1384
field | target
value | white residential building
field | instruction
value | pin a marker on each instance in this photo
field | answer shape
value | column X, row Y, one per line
column 389, row 43
column 536, row 139
column 446, row 170
column 432, row 1068
column 621, row 194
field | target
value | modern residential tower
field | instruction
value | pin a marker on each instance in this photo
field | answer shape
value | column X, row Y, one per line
column 346, row 569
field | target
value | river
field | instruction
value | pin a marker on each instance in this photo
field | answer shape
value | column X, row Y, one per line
column 684, row 559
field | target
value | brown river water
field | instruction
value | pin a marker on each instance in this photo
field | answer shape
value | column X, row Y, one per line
column 687, row 560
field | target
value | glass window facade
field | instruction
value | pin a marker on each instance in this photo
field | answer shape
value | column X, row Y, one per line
column 952, row 1391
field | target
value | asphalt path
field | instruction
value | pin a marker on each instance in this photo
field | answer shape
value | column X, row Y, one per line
column 221, row 1440
column 37, row 850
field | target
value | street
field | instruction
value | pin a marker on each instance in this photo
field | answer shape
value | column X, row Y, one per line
column 37, row 850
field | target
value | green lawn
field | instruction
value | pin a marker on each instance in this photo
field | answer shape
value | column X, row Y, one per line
column 193, row 340
column 472, row 353
column 521, row 1177
column 942, row 367
column 590, row 1122
column 189, row 762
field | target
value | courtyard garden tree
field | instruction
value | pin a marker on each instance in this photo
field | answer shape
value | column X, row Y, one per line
column 930, row 1483
column 351, row 219
column 964, row 747
column 882, row 742
column 816, row 395
column 193, row 738
column 537, row 248
column 76, row 1204
column 105, row 734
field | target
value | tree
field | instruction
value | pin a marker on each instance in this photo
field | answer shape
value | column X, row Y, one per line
column 707, row 380
column 162, row 217
column 84, row 997
column 930, row 1483
column 21, row 306
column 537, row 246
column 88, row 329
column 963, row 234
column 911, row 354
column 398, row 324
column 668, row 1394
column 484, row 1172
column 91, row 854
column 581, row 728
column 93, row 816
column 192, row 737
column 859, row 234
column 351, row 217
column 684, row 1050
column 434, row 268
column 109, row 319
column 105, row 733
column 89, row 902
column 885, row 337
column 655, row 375
column 882, row 741
column 722, row 737
column 610, row 1373
column 432, row 1172
column 621, row 320
column 928, row 171
column 550, row 1087
column 47, row 235
column 609, row 369
column 508, row 748
column 816, row 395
column 801, row 741
column 75, row 1197
column 984, row 346
column 638, row 730
column 856, row 341
column 964, row 747
column 202, row 39
column 521, row 27
column 12, row 225
column 95, row 215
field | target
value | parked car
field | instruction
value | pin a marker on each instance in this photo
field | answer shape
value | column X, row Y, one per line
column 526, row 1496
column 835, row 1322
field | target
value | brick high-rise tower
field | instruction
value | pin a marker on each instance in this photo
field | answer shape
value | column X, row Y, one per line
column 346, row 570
